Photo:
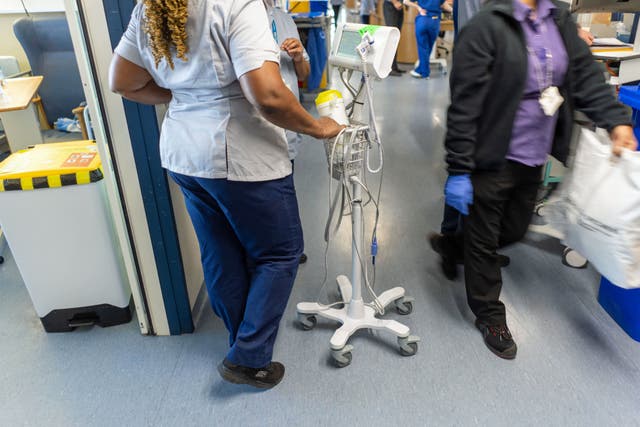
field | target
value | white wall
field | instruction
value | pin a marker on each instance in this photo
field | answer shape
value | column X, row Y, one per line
column 15, row 6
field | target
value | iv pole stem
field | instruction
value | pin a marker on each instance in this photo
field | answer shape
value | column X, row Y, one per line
column 356, row 307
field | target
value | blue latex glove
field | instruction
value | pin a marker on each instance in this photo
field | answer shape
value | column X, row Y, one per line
column 458, row 193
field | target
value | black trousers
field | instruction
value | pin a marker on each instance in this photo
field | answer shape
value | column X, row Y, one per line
column 503, row 203
column 336, row 12
column 451, row 221
column 393, row 18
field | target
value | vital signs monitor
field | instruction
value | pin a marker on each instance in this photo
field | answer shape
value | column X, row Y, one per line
column 382, row 44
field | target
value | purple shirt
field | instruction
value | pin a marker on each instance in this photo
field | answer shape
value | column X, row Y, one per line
column 533, row 131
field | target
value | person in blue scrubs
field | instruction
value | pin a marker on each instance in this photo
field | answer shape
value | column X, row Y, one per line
column 427, row 28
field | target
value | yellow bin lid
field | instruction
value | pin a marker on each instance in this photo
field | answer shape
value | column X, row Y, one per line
column 328, row 95
column 50, row 166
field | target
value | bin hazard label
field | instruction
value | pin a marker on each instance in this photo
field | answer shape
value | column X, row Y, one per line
column 79, row 160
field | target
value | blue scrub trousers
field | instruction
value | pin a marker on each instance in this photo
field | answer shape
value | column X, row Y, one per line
column 250, row 239
column 455, row 17
column 427, row 28
column 317, row 50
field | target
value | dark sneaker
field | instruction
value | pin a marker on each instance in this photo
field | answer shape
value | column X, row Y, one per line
column 267, row 377
column 499, row 340
column 447, row 256
column 395, row 73
column 303, row 258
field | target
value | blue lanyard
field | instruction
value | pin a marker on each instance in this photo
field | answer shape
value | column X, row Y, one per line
column 274, row 30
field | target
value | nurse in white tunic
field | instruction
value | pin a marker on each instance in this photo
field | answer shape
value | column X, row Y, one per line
column 216, row 63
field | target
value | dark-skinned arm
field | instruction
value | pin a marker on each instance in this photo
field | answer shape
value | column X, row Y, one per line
column 265, row 89
column 135, row 83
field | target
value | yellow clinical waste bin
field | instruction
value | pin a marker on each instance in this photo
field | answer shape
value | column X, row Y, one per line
column 54, row 214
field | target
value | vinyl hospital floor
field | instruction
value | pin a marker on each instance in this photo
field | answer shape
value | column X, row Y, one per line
column 575, row 366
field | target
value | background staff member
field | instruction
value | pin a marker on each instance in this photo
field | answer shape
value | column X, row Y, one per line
column 463, row 11
column 215, row 61
column 519, row 72
column 367, row 8
column 294, row 66
column 336, row 5
column 427, row 28
column 294, row 60
column 393, row 17
column 445, row 244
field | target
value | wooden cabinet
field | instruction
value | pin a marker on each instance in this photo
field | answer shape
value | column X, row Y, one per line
column 408, row 48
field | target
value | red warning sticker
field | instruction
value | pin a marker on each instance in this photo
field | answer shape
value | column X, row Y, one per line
column 79, row 160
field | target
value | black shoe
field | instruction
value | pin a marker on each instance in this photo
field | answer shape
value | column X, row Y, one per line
column 498, row 339
column 395, row 73
column 401, row 71
column 303, row 259
column 503, row 260
column 267, row 377
column 447, row 257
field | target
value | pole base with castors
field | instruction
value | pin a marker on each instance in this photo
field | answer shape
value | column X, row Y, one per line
column 348, row 161
column 355, row 315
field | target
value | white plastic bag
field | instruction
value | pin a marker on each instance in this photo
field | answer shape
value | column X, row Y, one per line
column 600, row 209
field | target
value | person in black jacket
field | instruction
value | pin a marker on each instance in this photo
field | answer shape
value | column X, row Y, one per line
column 448, row 242
column 519, row 73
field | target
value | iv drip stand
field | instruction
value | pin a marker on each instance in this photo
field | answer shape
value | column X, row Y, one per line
column 355, row 314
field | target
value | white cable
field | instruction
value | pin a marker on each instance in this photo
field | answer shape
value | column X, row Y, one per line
column 333, row 202
column 376, row 204
column 345, row 184
column 372, row 121
column 328, row 242
column 380, row 169
column 363, row 266
column 347, row 83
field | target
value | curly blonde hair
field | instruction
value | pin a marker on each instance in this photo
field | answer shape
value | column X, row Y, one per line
column 164, row 23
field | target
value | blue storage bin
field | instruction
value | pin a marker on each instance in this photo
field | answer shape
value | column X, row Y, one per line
column 630, row 95
column 319, row 6
column 623, row 305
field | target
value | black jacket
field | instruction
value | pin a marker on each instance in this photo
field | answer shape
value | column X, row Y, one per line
column 488, row 78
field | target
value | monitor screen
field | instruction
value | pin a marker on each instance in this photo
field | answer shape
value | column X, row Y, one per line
column 348, row 44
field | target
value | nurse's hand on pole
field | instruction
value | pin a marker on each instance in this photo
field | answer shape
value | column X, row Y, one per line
column 327, row 128
column 622, row 137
